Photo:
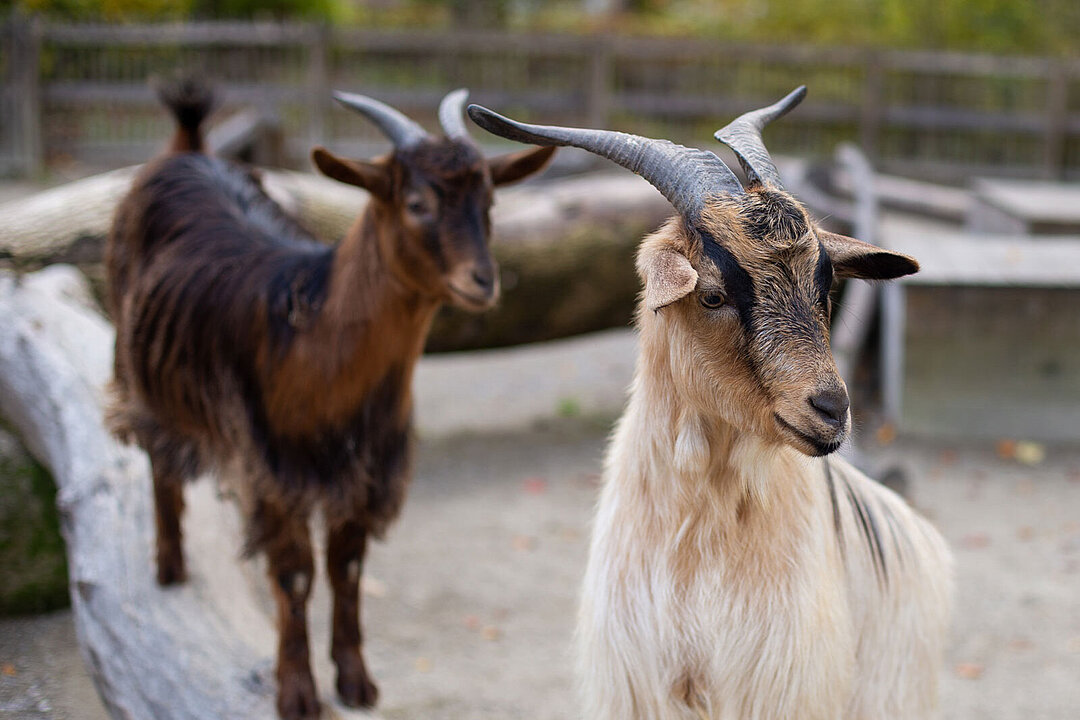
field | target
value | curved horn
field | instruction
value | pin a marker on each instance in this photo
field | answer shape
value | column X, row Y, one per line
column 452, row 115
column 401, row 130
column 743, row 135
column 686, row 177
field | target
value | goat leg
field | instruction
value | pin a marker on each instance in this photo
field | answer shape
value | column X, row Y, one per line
column 168, row 507
column 345, row 549
column 291, row 567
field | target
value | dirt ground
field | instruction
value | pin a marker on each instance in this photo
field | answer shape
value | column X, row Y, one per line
column 470, row 603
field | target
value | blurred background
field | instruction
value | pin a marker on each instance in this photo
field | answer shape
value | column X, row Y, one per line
column 949, row 129
column 939, row 90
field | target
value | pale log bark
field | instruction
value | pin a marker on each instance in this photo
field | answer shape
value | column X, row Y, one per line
column 201, row 650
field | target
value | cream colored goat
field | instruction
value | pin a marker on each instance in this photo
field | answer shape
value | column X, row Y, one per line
column 736, row 572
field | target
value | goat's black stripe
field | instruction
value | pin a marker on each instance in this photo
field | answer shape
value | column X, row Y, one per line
column 738, row 285
column 878, row 546
column 823, row 277
column 891, row 521
column 835, row 507
column 869, row 529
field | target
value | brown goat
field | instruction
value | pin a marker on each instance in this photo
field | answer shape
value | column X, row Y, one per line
column 246, row 346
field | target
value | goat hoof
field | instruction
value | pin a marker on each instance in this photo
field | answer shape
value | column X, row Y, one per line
column 356, row 689
column 171, row 571
column 297, row 699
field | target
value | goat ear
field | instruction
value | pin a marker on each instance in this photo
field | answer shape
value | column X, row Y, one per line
column 853, row 258
column 372, row 176
column 667, row 273
column 511, row 167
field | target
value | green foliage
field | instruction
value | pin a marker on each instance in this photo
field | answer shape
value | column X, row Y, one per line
column 142, row 10
column 108, row 10
column 1035, row 27
column 33, row 564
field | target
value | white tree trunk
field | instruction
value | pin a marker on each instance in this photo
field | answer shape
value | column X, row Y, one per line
column 202, row 650
column 48, row 227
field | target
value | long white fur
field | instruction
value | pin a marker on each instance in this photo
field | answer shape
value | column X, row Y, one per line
column 717, row 586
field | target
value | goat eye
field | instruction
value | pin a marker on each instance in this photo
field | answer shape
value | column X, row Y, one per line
column 417, row 207
column 712, row 300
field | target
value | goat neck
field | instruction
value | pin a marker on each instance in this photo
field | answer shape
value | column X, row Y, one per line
column 690, row 445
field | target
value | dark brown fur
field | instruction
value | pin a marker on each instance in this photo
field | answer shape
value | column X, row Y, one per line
column 243, row 342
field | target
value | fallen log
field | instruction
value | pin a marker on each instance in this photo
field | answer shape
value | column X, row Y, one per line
column 200, row 650
column 565, row 247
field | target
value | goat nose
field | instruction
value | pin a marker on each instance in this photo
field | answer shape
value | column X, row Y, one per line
column 831, row 405
column 484, row 276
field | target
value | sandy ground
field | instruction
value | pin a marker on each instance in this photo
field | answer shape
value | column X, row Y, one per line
column 470, row 602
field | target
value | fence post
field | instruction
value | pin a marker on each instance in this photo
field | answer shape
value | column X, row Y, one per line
column 872, row 109
column 1057, row 108
column 25, row 101
column 600, row 82
column 318, row 81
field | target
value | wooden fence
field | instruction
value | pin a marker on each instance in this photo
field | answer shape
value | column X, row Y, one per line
column 79, row 92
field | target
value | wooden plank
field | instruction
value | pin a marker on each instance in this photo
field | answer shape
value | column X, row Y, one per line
column 957, row 258
column 992, row 362
column 925, row 117
column 141, row 94
column 195, row 34
column 1032, row 201
column 720, row 107
column 941, row 63
column 1057, row 120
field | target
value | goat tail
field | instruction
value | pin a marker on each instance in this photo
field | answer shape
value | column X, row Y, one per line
column 190, row 101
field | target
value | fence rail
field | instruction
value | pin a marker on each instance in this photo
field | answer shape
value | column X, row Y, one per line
column 80, row 93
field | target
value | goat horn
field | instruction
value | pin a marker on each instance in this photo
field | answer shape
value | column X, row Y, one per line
column 452, row 115
column 685, row 176
column 743, row 136
column 401, row 130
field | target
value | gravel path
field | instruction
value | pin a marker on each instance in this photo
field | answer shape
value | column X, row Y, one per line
column 470, row 603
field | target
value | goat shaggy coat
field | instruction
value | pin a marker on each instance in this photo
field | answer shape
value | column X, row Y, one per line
column 244, row 345
column 735, row 572
column 732, row 578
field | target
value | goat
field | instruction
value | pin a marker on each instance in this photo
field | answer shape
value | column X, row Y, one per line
column 735, row 571
column 245, row 345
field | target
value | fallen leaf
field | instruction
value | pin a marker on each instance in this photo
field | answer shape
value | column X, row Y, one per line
column 886, row 434
column 1006, row 449
column 534, row 486
column 1030, row 453
column 9, row 670
column 422, row 664
column 975, row 541
column 472, row 622
column 1025, row 486
column 1019, row 644
column 1025, row 533
column 947, row 457
column 524, row 543
column 970, row 671
column 490, row 632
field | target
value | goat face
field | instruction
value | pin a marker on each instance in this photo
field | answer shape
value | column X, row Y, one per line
column 433, row 196
column 746, row 287
column 743, row 276
column 442, row 205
